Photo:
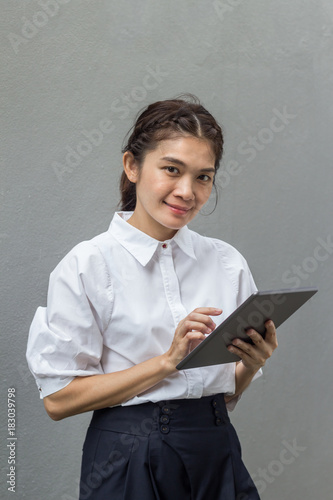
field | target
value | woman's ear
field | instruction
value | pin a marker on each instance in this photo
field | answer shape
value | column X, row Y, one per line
column 130, row 166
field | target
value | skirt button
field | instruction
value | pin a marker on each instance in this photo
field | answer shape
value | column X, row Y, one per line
column 164, row 419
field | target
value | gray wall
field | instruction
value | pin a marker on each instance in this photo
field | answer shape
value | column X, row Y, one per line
column 73, row 66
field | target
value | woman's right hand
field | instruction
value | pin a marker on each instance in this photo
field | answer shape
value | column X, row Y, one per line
column 190, row 332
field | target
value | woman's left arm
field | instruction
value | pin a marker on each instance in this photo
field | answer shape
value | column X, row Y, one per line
column 253, row 356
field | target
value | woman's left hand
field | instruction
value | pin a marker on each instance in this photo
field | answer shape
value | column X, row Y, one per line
column 254, row 355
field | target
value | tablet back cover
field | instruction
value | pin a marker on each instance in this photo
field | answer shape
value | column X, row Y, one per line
column 277, row 305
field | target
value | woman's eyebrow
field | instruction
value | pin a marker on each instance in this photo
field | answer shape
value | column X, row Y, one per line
column 180, row 162
column 173, row 160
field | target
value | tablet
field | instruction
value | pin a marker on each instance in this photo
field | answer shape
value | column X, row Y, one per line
column 277, row 305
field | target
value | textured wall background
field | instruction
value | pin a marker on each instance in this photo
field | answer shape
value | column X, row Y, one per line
column 265, row 70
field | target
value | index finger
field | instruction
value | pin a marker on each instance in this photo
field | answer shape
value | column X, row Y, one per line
column 270, row 335
column 210, row 311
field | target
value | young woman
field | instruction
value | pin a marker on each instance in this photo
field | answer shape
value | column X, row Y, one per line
column 127, row 306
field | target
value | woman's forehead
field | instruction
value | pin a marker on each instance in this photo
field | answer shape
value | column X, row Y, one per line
column 186, row 148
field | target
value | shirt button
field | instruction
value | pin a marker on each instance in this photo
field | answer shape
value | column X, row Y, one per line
column 165, row 245
column 166, row 410
column 165, row 429
column 164, row 419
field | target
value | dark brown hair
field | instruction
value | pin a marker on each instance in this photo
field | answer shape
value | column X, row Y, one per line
column 163, row 120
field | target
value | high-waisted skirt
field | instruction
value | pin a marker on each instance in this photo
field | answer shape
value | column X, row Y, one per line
column 172, row 450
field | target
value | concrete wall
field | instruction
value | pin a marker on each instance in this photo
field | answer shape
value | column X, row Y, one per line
column 265, row 70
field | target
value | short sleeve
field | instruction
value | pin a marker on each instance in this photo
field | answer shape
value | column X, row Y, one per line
column 66, row 337
column 237, row 270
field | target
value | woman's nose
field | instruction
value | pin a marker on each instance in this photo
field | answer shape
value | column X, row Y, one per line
column 184, row 189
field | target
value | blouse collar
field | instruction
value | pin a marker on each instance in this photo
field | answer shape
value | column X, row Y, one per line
column 141, row 245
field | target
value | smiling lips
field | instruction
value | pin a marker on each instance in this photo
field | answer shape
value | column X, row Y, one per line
column 177, row 209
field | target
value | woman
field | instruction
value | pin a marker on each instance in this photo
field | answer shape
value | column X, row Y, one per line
column 127, row 306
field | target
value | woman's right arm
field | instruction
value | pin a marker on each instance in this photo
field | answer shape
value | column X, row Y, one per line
column 99, row 391
column 111, row 389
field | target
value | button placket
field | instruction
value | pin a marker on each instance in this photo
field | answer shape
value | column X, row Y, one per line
column 171, row 284
column 165, row 419
column 217, row 413
column 194, row 378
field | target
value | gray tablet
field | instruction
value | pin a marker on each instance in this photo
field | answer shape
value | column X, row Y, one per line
column 276, row 305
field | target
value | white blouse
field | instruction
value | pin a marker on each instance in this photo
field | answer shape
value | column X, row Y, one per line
column 116, row 300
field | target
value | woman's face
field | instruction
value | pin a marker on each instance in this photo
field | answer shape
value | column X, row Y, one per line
column 174, row 183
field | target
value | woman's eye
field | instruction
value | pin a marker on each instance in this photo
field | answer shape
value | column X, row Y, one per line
column 172, row 170
column 204, row 177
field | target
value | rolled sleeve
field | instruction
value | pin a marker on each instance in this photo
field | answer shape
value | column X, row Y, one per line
column 66, row 337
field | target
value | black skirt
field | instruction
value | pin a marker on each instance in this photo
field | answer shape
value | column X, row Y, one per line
column 173, row 450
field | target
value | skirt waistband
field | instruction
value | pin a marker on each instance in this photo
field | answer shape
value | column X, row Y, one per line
column 178, row 414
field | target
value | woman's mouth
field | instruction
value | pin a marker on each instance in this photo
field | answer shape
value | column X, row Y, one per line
column 178, row 209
